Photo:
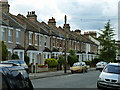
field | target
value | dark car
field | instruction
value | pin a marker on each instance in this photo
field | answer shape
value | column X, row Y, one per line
column 14, row 77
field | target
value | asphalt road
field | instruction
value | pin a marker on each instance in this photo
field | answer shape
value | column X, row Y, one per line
column 77, row 80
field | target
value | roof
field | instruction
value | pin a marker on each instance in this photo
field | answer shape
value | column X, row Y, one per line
column 8, row 20
column 19, row 47
column 46, row 50
column 30, row 47
column 116, row 64
column 55, row 50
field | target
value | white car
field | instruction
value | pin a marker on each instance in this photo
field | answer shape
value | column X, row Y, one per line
column 100, row 65
column 110, row 77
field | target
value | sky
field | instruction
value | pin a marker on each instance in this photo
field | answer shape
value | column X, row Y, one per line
column 81, row 14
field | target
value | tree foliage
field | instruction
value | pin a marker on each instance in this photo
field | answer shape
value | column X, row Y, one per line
column 51, row 62
column 108, row 50
column 61, row 60
column 15, row 56
column 72, row 58
column 27, row 59
column 4, row 51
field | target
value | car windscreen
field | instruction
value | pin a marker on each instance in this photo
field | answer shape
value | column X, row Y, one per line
column 77, row 64
column 112, row 69
column 19, row 79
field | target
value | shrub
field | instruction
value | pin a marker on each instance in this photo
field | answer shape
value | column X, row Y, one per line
column 88, row 62
column 27, row 59
column 4, row 51
column 15, row 56
column 61, row 60
column 51, row 62
column 72, row 59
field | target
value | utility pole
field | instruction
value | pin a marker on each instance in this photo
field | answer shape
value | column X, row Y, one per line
column 65, row 71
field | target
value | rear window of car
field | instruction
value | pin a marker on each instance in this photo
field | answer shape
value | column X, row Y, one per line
column 112, row 69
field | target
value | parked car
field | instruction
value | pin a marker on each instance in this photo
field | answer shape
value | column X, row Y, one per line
column 79, row 67
column 20, row 63
column 110, row 77
column 14, row 77
column 100, row 65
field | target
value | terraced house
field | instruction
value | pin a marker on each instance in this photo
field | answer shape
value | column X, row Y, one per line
column 40, row 40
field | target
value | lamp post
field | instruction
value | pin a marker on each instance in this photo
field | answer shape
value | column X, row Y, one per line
column 65, row 71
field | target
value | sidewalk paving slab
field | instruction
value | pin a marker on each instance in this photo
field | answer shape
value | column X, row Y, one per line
column 51, row 74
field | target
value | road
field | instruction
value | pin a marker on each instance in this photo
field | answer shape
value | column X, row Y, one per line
column 77, row 80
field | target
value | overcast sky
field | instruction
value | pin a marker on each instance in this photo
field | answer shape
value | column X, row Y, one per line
column 81, row 14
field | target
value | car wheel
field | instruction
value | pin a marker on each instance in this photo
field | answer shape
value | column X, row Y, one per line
column 83, row 70
column 98, row 86
column 86, row 70
column 72, row 72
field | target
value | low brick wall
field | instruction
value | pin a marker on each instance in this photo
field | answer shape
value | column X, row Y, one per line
column 42, row 69
column 52, row 69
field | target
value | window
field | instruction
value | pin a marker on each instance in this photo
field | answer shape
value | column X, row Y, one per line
column 53, row 41
column 17, row 36
column 36, row 39
column 3, row 34
column 78, row 46
column 60, row 43
column 30, row 38
column 21, row 55
column 10, row 31
column 45, row 41
column 70, row 43
column 40, row 40
column 57, row 42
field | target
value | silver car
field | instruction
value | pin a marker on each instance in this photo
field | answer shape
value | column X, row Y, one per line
column 110, row 77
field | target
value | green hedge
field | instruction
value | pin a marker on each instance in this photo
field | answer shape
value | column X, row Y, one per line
column 88, row 62
column 51, row 62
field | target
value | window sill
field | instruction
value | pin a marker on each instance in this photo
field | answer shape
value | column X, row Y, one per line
column 36, row 45
column 17, row 43
column 10, row 42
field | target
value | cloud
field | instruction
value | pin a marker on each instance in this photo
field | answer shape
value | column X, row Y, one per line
column 81, row 14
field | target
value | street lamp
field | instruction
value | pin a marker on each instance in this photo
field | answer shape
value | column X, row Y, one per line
column 65, row 71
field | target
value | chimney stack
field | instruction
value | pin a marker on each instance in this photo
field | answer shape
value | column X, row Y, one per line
column 32, row 16
column 52, row 22
column 4, row 6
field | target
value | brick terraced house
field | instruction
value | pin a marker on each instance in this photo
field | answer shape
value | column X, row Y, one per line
column 40, row 40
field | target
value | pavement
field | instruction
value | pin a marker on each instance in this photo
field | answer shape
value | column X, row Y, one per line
column 51, row 74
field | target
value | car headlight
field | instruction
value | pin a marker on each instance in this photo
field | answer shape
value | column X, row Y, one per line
column 71, row 68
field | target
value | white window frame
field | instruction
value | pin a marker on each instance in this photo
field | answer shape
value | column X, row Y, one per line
column 19, row 51
column 10, row 31
column 40, row 39
column 30, row 38
column 45, row 41
column 18, row 42
column 3, row 35
column 36, row 39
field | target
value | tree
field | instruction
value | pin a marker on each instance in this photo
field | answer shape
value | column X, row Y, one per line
column 27, row 59
column 72, row 58
column 15, row 56
column 108, row 50
column 4, row 51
